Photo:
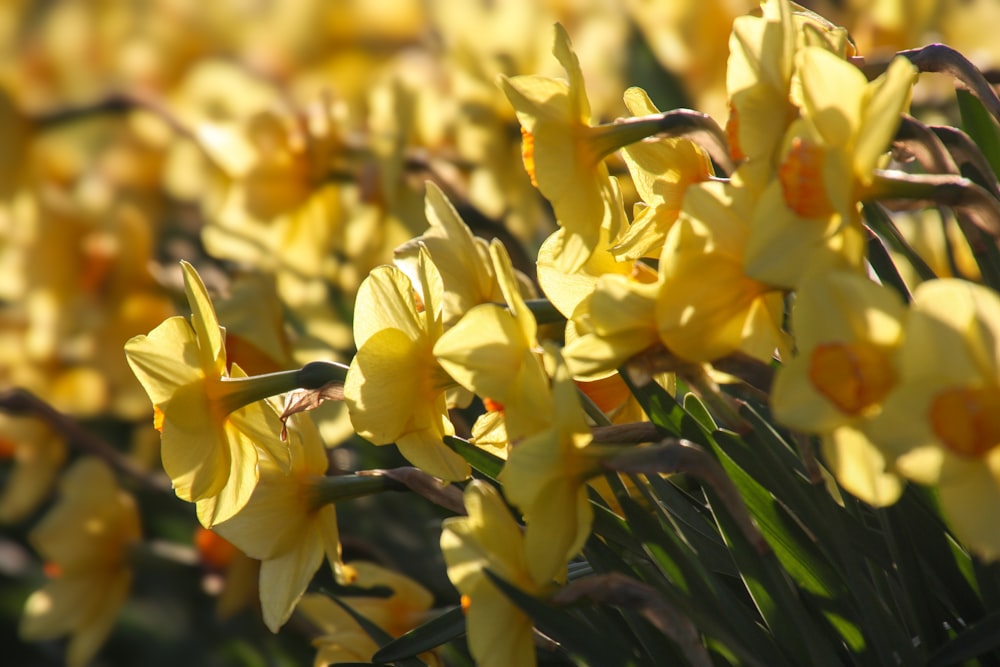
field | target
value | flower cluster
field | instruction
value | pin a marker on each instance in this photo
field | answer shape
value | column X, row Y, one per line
column 701, row 387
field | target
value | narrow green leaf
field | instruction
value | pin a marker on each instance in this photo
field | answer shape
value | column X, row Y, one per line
column 981, row 638
column 439, row 630
column 701, row 595
column 477, row 457
column 980, row 126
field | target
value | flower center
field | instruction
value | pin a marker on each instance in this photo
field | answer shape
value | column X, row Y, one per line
column 528, row 154
column 967, row 419
column 853, row 376
column 801, row 176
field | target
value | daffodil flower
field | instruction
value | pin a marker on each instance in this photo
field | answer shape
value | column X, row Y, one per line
column 614, row 323
column 707, row 306
column 86, row 538
column 500, row 634
column 808, row 215
column 494, row 352
column 395, row 388
column 941, row 424
column 210, row 423
column 661, row 171
column 564, row 154
column 38, row 454
column 545, row 477
column 462, row 260
column 847, row 330
column 342, row 638
column 287, row 523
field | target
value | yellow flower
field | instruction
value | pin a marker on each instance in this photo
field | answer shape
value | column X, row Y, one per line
column 493, row 351
column 395, row 389
column 759, row 75
column 488, row 538
column 707, row 306
column 614, row 323
column 545, row 477
column 342, row 638
column 287, row 524
column 462, row 259
column 662, row 171
column 564, row 154
column 208, row 420
column 847, row 330
column 86, row 540
column 941, row 424
column 38, row 454
column 808, row 216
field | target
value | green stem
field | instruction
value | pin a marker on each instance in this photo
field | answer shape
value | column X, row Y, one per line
column 327, row 490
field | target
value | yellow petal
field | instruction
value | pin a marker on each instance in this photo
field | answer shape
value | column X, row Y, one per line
column 860, row 467
column 284, row 579
column 385, row 299
column 427, row 451
column 211, row 346
column 379, row 388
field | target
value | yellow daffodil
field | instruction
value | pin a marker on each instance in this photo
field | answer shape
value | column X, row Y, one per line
column 941, row 424
column 847, row 330
column 545, row 477
column 661, row 170
column 488, row 538
column 566, row 290
column 614, row 323
column 341, row 637
column 85, row 538
column 564, row 154
column 808, row 215
column 493, row 351
column 38, row 453
column 209, row 422
column 762, row 52
column 287, row 524
column 707, row 306
column 462, row 260
column 395, row 389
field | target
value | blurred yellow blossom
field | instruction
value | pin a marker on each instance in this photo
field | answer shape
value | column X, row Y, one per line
column 941, row 424
column 847, row 330
column 37, row 454
column 85, row 538
column 341, row 637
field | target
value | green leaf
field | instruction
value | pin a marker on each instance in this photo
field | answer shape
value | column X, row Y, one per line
column 440, row 630
column 477, row 457
column 661, row 407
column 980, row 126
column 975, row 642
column 702, row 596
